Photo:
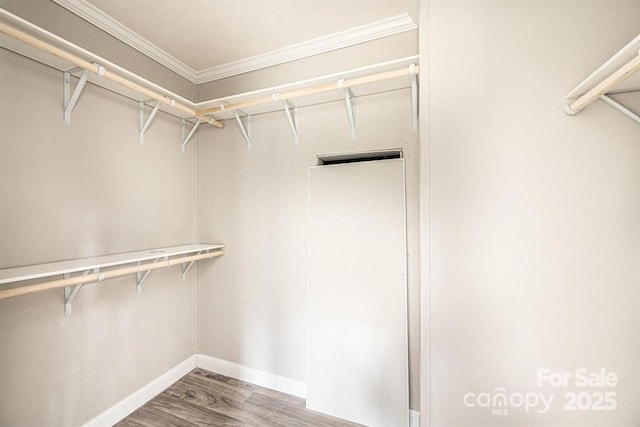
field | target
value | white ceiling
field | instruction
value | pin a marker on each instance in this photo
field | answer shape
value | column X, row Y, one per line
column 204, row 40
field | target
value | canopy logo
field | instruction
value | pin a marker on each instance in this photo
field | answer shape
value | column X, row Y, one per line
column 500, row 401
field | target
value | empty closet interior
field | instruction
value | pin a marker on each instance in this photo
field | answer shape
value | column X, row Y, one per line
column 387, row 209
column 142, row 197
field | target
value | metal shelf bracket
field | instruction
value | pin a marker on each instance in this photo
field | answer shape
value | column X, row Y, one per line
column 71, row 292
column 350, row 102
column 187, row 138
column 293, row 122
column 187, row 267
column 71, row 99
column 414, row 96
column 142, row 276
column 245, row 129
column 144, row 124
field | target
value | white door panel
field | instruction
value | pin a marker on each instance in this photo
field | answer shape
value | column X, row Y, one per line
column 357, row 300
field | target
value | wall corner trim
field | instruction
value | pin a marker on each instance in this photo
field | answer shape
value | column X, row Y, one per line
column 254, row 376
column 138, row 398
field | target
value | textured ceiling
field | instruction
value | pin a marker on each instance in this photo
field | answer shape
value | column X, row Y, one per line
column 210, row 33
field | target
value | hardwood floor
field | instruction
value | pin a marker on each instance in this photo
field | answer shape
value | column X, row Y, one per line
column 202, row 398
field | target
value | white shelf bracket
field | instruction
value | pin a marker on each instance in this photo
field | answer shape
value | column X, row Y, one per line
column 186, row 139
column 71, row 99
column 144, row 124
column 621, row 108
column 142, row 276
column 350, row 102
column 245, row 129
column 293, row 121
column 187, row 267
column 70, row 292
column 414, row 96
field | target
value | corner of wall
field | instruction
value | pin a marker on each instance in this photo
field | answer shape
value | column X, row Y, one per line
column 424, row 184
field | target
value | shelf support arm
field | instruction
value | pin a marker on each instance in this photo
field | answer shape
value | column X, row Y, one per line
column 185, row 140
column 144, row 124
column 141, row 277
column 71, row 292
column 350, row 102
column 71, row 99
column 187, row 267
column 624, row 110
column 293, row 122
column 414, row 96
column 246, row 130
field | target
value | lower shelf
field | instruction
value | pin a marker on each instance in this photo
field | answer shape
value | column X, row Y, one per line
column 90, row 270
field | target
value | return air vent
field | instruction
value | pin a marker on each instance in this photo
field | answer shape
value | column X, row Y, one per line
column 367, row 156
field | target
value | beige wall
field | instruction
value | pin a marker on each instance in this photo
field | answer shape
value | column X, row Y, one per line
column 253, row 301
column 535, row 215
column 86, row 190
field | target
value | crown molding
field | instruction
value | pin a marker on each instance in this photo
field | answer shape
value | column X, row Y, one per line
column 365, row 33
column 376, row 30
column 95, row 16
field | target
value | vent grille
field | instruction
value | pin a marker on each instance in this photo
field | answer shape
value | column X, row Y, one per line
column 367, row 156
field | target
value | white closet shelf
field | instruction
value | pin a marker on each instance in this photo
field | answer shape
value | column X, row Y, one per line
column 90, row 269
column 377, row 78
column 29, row 40
column 619, row 74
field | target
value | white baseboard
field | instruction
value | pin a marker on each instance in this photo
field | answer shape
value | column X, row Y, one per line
column 414, row 418
column 254, row 376
column 275, row 382
column 138, row 398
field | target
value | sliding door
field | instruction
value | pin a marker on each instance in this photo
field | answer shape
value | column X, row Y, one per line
column 357, row 299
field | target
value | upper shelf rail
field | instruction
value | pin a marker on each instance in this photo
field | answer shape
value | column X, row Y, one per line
column 336, row 85
column 617, row 69
column 95, row 68
column 40, row 43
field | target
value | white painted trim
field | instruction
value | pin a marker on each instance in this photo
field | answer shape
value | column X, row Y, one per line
column 414, row 418
column 365, row 33
column 138, row 398
column 254, row 376
column 376, row 30
column 95, row 16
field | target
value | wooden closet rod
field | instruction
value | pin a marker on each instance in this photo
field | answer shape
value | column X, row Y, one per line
column 93, row 68
column 98, row 277
column 604, row 86
column 340, row 84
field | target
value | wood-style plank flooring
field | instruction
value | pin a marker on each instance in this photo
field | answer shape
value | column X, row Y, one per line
column 202, row 398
